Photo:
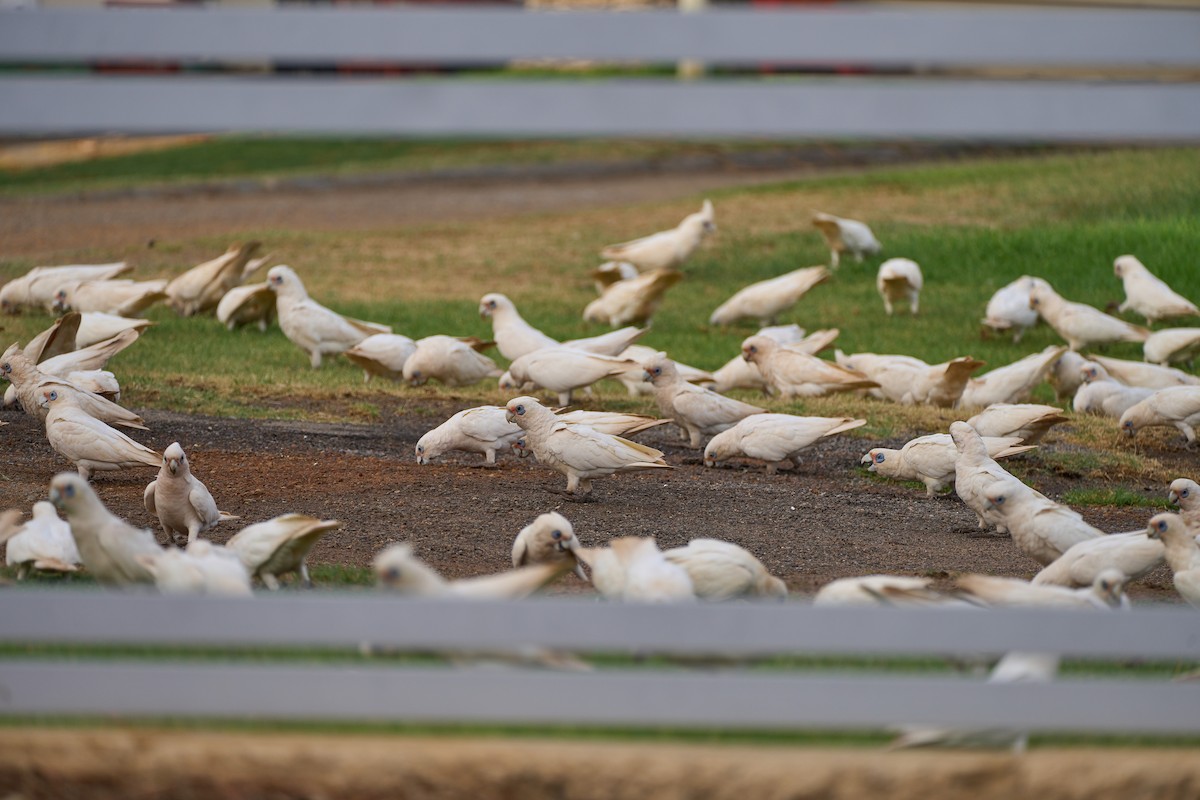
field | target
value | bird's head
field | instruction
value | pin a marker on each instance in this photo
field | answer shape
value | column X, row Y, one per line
column 996, row 497
column 518, row 409
column 508, row 383
column 397, row 569
column 492, row 303
column 521, row 448
column 1109, row 586
column 556, row 530
column 718, row 449
column 282, row 278
column 1184, row 493
column 175, row 460
column 873, row 459
column 658, row 369
column 61, row 301
column 1089, row 371
column 754, row 348
column 47, row 396
column 1126, row 265
column 68, row 492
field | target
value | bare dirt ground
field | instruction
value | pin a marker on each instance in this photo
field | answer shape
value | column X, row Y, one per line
column 136, row 764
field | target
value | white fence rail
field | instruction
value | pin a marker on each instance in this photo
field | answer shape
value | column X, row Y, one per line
column 725, row 696
column 870, row 107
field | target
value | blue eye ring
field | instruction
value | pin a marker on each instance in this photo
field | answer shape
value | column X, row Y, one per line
column 69, row 491
column 1000, row 500
column 53, row 395
column 557, row 534
column 1184, row 493
column 879, row 458
column 520, row 410
column 1162, row 525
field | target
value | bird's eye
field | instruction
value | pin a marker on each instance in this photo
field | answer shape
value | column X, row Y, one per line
column 6, row 368
column 69, row 491
column 657, row 370
column 753, row 348
column 420, row 448
column 879, row 458
column 393, row 573
column 1128, row 423
column 54, row 395
column 1184, row 493
column 491, row 303
column 61, row 295
column 1000, row 500
column 1162, row 525
column 557, row 534
column 416, row 373
column 520, row 410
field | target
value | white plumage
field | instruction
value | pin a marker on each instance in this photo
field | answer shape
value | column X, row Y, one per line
column 564, row 369
column 38, row 287
column 775, row 438
column 279, row 546
column 1172, row 345
column 698, row 412
column 383, row 354
column 632, row 301
column 633, row 569
column 201, row 288
column 795, row 374
column 1041, row 528
column 1080, row 324
column 1028, row 421
column 738, row 373
column 253, row 303
column 91, row 445
column 724, row 571
column 766, row 300
column 312, row 327
column 1009, row 310
column 1185, row 493
column 666, row 249
column 108, row 546
column 931, row 459
column 43, row 543
column 910, row 381
column 397, row 569
column 514, row 336
column 1148, row 295
column 900, row 279
column 1132, row 554
column 845, row 236
column 1101, row 395
column 1182, row 553
column 95, row 326
column 975, row 472
column 549, row 539
column 450, row 360
column 179, row 499
column 1177, row 407
column 122, row 298
column 204, row 568
column 1149, row 376
column 1011, row 383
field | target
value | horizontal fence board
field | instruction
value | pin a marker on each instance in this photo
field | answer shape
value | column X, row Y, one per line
column 840, row 35
column 872, row 109
column 497, row 695
column 729, row 629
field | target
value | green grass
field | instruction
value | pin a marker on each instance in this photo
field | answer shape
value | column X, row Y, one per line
column 1114, row 496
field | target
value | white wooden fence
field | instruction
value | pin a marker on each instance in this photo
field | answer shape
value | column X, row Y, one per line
column 922, row 37
column 729, row 696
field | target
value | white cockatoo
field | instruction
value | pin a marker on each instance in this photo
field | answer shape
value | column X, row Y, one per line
column 44, row 543
column 1133, row 554
column 578, row 451
column 1080, row 324
column 37, row 288
column 724, row 571
column 633, row 569
column 383, row 354
column 931, row 459
column 1009, row 310
column 1185, row 493
column 182, row 503
column 95, row 326
column 513, row 335
column 451, row 360
column 666, row 249
column 634, row 379
column 1182, row 554
column 1064, row 375
column 766, row 300
column 845, row 236
column 203, row 568
column 698, row 412
column 201, row 288
column 610, row 272
column 1011, row 383
column 1100, row 394
column 1149, row 376
column 398, row 570
column 738, row 373
column 91, row 445
column 1028, row 421
column 252, row 303
column 1106, row 591
column 1177, row 407
column 279, row 546
column 123, row 298
column 975, row 472
column 549, row 539
column 473, row 430
column 900, row 279
column 792, row 373
column 563, row 370
column 775, row 438
column 1040, row 528
column 1148, row 295
column 910, row 381
column 632, row 301
column 108, row 546
column 312, row 327
column 1172, row 345
column 29, row 382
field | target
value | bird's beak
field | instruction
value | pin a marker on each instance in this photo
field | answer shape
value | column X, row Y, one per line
column 867, row 460
column 484, row 313
column 422, row 460
column 708, row 462
column 510, row 417
column 1173, row 497
column 173, row 465
column 647, row 377
column 55, row 497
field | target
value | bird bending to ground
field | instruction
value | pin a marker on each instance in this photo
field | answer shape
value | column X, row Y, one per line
column 243, row 305
column 775, row 438
column 383, row 354
column 877, row 590
column 562, row 369
column 1028, row 421
column 204, row 568
column 29, row 383
column 44, row 543
column 108, row 546
column 91, row 445
column 1100, row 394
column 1011, row 383
column 452, row 360
column 697, row 411
column 123, row 298
column 767, row 299
column 182, row 503
column 931, row 459
column 279, row 546
column 975, row 472
column 1172, row 345
column 1148, row 295
column 1008, row 309
column 795, row 374
column 632, row 301
column 845, row 236
column 397, row 569
column 666, row 249
column 738, row 373
column 201, row 288
column 37, row 288
column 1041, row 528
column 578, row 451
column 910, row 381
column 1133, row 554
column 1177, row 407
column 900, row 279
column 723, row 571
column 633, row 569
column 311, row 326
column 1149, row 376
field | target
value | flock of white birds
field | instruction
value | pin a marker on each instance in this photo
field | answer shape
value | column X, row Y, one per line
column 60, row 376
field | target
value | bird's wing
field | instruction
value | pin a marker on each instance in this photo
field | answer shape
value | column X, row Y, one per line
column 80, row 437
column 512, row 585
